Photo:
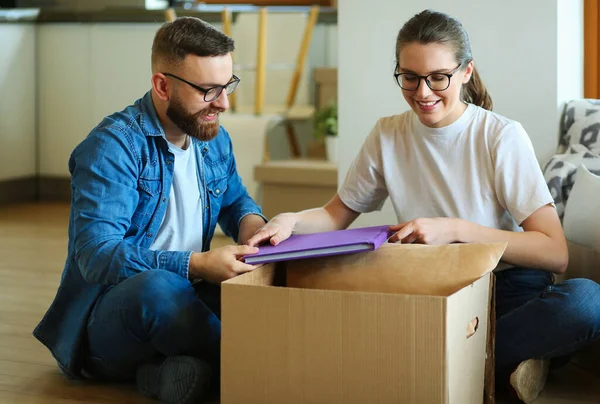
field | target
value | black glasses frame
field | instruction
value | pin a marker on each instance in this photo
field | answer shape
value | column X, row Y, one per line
column 231, row 85
column 397, row 76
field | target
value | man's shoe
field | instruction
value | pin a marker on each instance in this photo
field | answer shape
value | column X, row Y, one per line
column 529, row 378
column 175, row 380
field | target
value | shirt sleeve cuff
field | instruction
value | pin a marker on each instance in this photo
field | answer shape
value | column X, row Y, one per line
column 244, row 214
column 176, row 261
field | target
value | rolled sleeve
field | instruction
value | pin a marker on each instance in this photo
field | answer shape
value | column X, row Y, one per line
column 176, row 261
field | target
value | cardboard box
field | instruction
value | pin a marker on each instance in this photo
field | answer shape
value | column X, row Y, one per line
column 295, row 185
column 325, row 86
column 391, row 339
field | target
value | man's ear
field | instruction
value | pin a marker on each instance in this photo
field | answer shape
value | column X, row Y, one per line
column 160, row 86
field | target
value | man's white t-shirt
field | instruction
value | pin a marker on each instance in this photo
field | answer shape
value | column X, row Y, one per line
column 181, row 228
column 482, row 168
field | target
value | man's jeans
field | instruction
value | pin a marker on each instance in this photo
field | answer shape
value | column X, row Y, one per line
column 152, row 314
column 539, row 319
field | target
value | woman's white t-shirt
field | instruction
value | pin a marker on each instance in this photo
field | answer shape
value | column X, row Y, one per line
column 481, row 168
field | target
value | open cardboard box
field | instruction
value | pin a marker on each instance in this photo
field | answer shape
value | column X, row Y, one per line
column 404, row 324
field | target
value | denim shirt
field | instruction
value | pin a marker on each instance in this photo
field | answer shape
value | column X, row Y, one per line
column 121, row 178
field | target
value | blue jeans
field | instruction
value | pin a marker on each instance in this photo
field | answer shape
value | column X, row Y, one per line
column 155, row 313
column 536, row 318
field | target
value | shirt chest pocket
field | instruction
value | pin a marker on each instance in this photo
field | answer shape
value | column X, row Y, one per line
column 216, row 191
column 149, row 191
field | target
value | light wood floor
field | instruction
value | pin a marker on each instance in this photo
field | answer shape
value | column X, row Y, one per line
column 33, row 243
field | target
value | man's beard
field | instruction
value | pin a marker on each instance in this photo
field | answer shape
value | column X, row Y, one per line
column 192, row 124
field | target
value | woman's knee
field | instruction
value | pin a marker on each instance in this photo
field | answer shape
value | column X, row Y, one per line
column 583, row 303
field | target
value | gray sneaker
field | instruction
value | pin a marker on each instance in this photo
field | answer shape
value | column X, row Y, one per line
column 529, row 379
column 175, row 380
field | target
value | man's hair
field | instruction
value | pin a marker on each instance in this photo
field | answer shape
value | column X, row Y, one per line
column 188, row 35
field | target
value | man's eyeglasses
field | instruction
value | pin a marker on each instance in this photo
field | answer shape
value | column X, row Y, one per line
column 435, row 81
column 212, row 93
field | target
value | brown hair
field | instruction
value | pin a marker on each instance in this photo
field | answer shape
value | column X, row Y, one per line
column 188, row 35
column 434, row 27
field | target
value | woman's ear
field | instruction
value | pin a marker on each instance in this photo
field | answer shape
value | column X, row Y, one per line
column 468, row 72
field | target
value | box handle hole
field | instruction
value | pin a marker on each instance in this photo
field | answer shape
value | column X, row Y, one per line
column 472, row 327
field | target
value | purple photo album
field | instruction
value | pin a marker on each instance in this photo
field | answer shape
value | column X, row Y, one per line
column 322, row 244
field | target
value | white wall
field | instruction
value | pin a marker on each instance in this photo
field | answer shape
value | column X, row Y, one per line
column 17, row 101
column 529, row 54
column 569, row 70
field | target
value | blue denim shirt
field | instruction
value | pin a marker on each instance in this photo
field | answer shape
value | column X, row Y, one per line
column 121, row 178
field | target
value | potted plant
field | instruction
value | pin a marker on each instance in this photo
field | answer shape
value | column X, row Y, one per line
column 326, row 127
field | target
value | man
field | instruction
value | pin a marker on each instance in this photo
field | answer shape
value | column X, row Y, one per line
column 139, row 296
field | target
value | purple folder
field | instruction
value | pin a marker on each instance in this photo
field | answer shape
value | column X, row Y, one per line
column 322, row 244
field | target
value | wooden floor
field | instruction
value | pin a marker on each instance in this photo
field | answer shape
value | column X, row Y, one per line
column 33, row 244
column 33, row 240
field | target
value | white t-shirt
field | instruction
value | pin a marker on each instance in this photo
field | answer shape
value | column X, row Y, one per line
column 181, row 228
column 481, row 168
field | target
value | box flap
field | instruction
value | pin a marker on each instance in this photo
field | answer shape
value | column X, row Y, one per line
column 394, row 268
column 264, row 275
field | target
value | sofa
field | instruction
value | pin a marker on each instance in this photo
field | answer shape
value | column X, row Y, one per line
column 573, row 177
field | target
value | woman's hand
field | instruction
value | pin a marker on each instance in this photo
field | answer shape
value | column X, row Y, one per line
column 278, row 229
column 435, row 231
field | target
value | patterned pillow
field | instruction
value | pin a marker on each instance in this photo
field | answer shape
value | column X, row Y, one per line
column 561, row 170
column 582, row 221
column 586, row 132
column 580, row 124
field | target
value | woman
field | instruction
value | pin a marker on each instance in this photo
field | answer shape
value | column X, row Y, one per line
column 457, row 172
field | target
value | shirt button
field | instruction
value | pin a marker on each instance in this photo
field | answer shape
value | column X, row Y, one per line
column 206, row 206
column 149, row 234
column 164, row 200
column 217, row 191
column 168, row 162
column 205, row 149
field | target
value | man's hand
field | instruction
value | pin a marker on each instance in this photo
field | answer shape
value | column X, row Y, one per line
column 220, row 264
column 278, row 229
column 248, row 227
column 434, row 231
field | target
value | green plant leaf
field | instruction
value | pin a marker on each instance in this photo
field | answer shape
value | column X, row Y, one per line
column 326, row 121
